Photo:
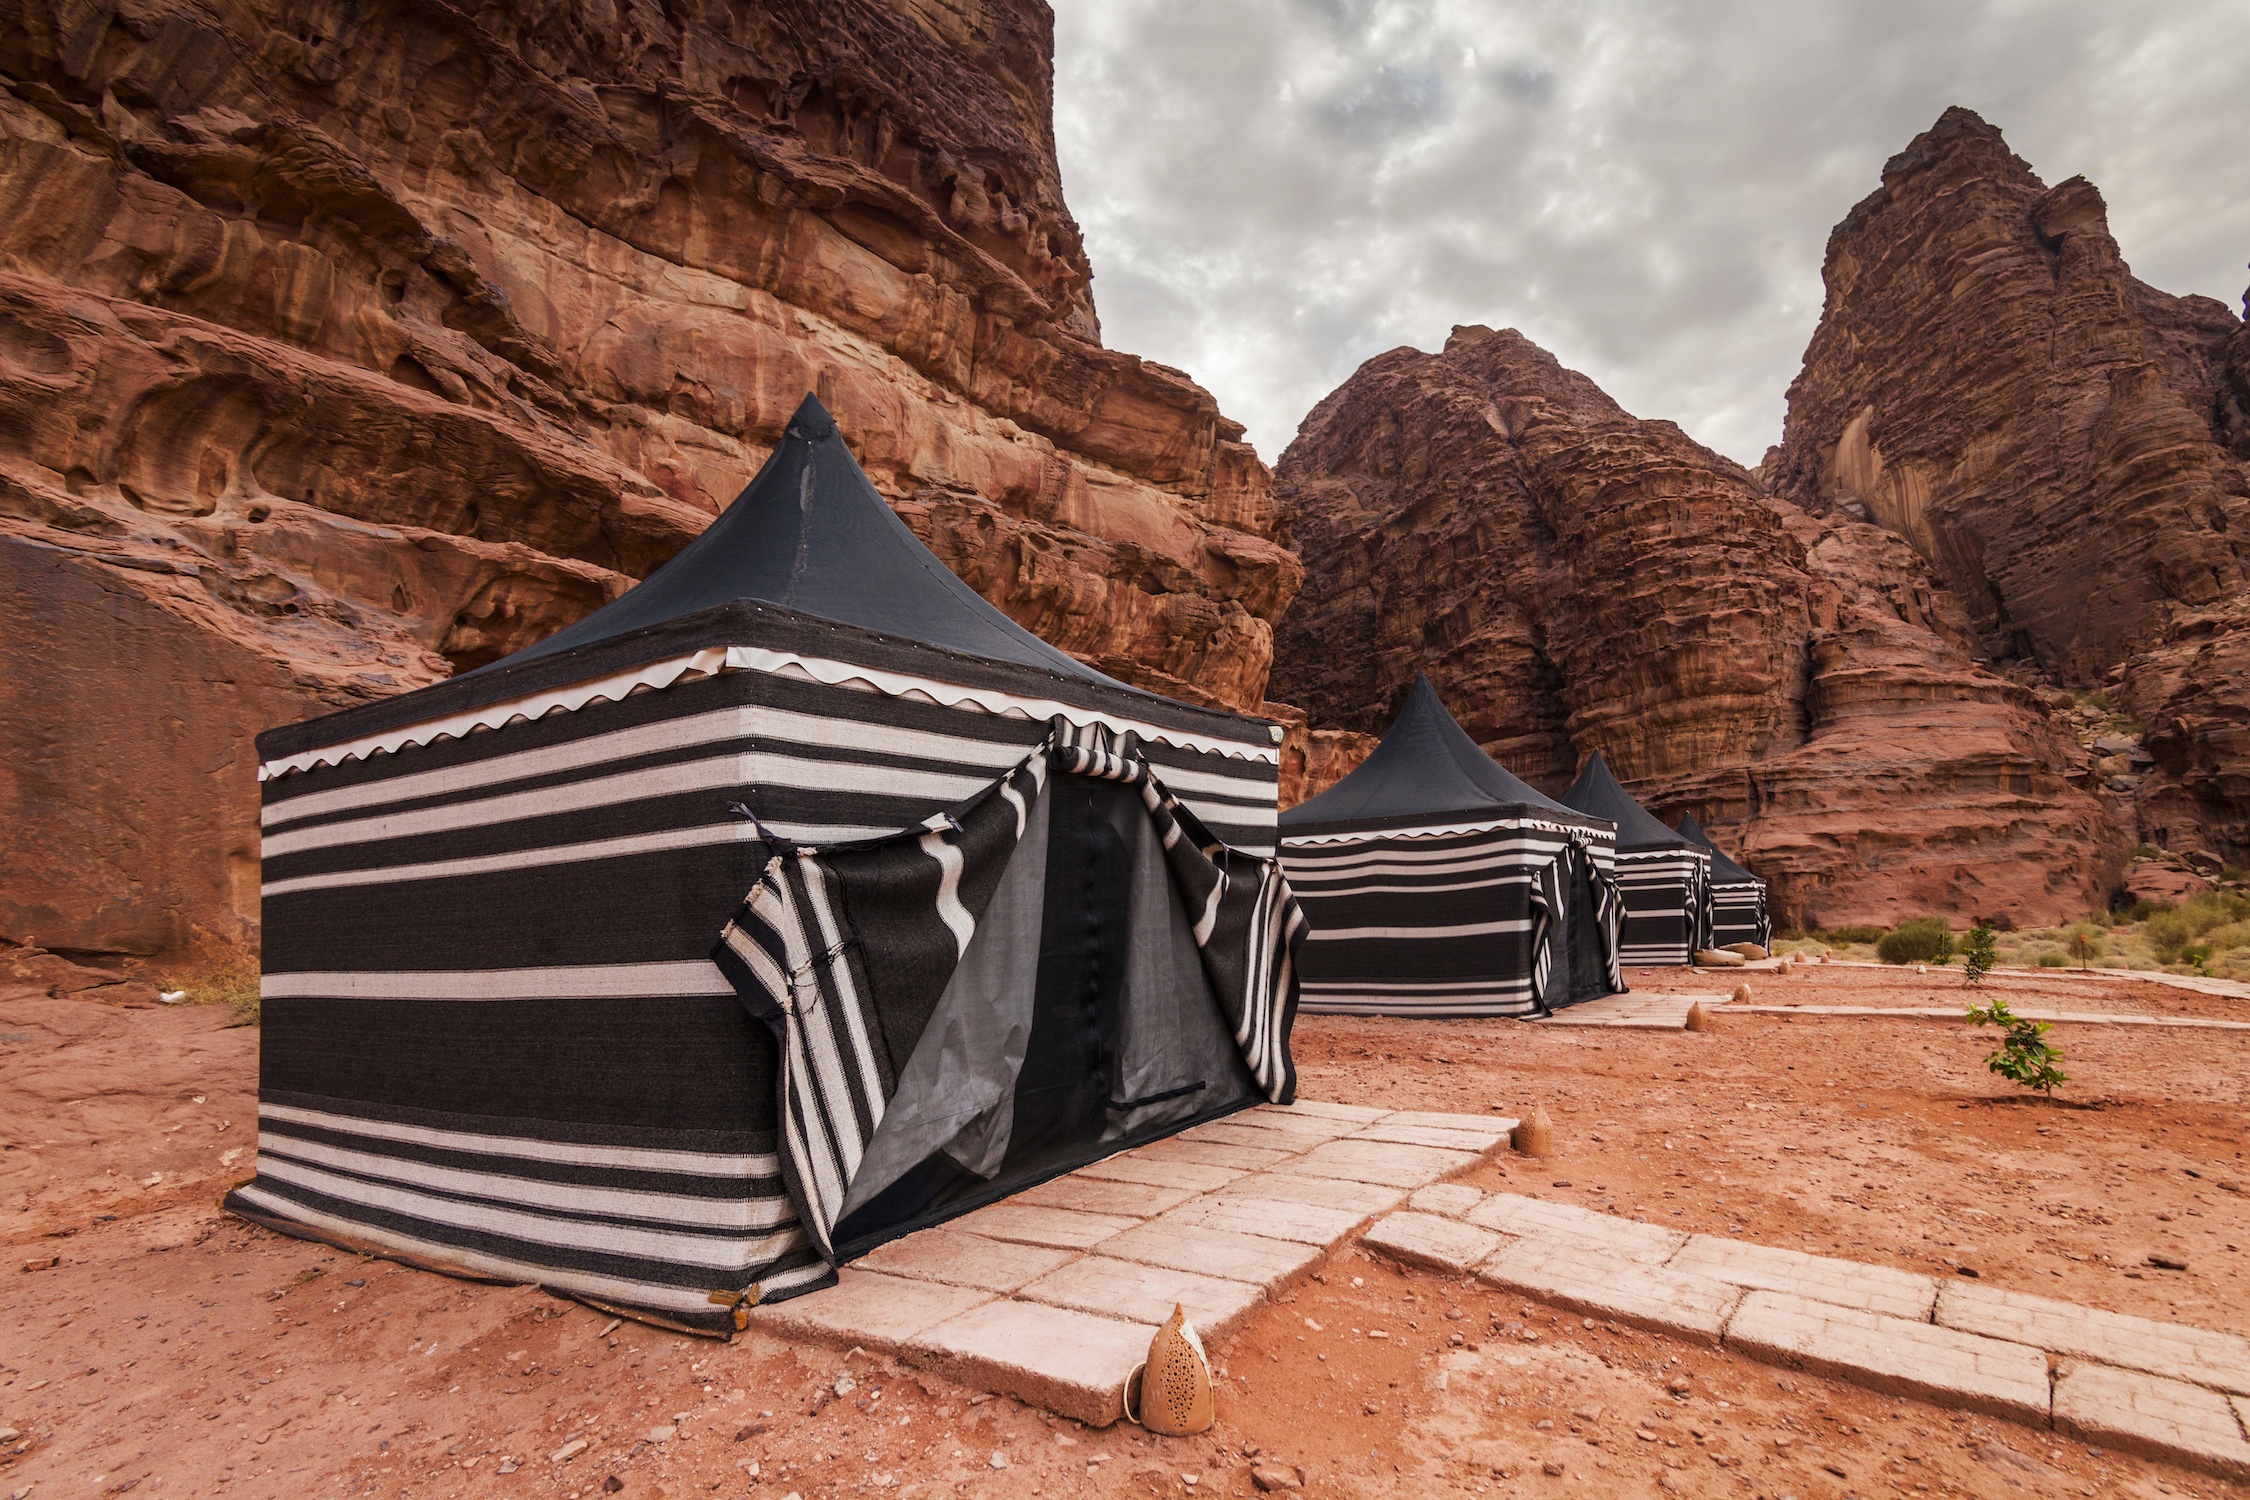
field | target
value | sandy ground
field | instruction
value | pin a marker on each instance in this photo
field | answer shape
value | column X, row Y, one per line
column 170, row 1349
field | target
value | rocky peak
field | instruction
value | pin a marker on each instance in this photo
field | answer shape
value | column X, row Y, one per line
column 1577, row 579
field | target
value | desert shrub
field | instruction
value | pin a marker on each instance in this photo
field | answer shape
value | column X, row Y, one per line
column 2166, row 934
column 2053, row 961
column 2084, row 944
column 1978, row 955
column 1917, row 940
column 2147, row 851
column 2140, row 909
column 2198, row 954
column 1843, row 935
column 2023, row 1055
column 2232, row 935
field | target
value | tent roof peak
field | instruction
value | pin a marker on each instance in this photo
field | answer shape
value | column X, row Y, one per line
column 1428, row 766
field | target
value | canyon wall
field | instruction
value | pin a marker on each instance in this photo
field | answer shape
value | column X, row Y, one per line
column 2065, row 447
column 345, row 346
column 1576, row 579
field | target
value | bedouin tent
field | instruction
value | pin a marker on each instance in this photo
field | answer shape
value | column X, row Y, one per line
column 1737, row 898
column 1436, row 884
column 1661, row 876
column 792, row 901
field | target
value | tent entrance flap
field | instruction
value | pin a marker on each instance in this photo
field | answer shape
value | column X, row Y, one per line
column 1079, row 1021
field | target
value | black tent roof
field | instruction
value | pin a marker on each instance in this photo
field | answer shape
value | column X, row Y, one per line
column 1426, row 767
column 810, row 534
column 808, row 557
column 1724, row 871
column 1597, row 792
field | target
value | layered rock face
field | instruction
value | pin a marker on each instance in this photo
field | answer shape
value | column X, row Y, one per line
column 1576, row 579
column 2065, row 446
column 346, row 346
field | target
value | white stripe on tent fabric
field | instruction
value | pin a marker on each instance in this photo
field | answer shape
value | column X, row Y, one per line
column 657, row 1296
column 678, row 1163
column 577, row 982
column 562, row 1232
column 738, row 1214
column 782, row 663
column 753, row 768
column 734, row 831
column 1466, row 929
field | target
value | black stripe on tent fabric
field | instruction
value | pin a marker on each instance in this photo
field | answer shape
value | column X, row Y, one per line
column 538, row 1253
column 497, row 1129
column 1426, row 770
column 646, row 908
column 277, row 1136
column 388, row 1170
column 669, row 1063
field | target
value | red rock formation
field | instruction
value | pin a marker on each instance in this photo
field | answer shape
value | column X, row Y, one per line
column 345, row 346
column 2062, row 443
column 1576, row 579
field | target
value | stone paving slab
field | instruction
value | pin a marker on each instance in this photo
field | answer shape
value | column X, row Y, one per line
column 1027, row 1224
column 1097, row 1195
column 1636, row 1011
column 1606, row 1234
column 1452, row 1199
column 1132, row 1166
column 1940, row 1365
column 1493, row 1125
column 1568, row 1272
column 949, row 1255
column 1141, row 1293
column 1847, row 1283
column 2152, row 1416
column 1427, row 1135
column 1295, row 1121
column 1427, row 1240
column 1357, row 1113
column 1283, row 1186
column 1214, row 1153
column 1937, row 1013
column 1273, row 1219
column 2198, row 1355
column 1380, row 1162
column 1071, row 1363
column 866, row 1307
column 1228, row 1132
column 1269, row 1265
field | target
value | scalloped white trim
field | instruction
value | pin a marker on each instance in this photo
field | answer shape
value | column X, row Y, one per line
column 717, row 659
column 1442, row 830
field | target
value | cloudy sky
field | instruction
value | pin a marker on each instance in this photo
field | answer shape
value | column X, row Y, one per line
column 1275, row 190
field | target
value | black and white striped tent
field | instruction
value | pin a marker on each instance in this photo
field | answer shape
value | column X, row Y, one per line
column 1662, row 876
column 794, row 900
column 1737, row 898
column 1436, row 884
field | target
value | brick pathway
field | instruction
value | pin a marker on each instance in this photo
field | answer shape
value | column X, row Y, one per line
column 1635, row 1010
column 1942, row 1013
column 1052, row 1295
column 2163, row 1390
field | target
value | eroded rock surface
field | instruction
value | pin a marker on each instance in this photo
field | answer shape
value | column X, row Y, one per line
column 1577, row 579
column 346, row 346
column 2067, row 448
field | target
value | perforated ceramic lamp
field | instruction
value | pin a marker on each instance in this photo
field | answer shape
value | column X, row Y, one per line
column 1175, row 1384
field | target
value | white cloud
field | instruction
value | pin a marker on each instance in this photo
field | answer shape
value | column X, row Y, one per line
column 1275, row 190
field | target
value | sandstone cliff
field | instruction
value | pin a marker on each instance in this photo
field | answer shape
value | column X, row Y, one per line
column 343, row 346
column 1576, row 579
column 2064, row 445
